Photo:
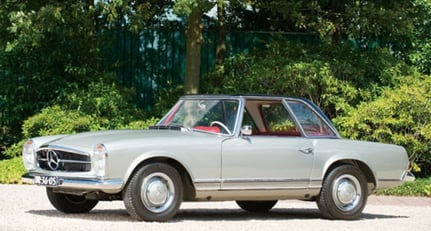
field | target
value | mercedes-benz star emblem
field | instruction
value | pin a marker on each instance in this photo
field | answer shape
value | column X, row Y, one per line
column 53, row 160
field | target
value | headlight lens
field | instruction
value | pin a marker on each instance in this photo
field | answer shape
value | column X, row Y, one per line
column 28, row 155
column 99, row 160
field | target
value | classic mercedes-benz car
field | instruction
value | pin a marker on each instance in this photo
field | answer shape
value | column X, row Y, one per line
column 252, row 149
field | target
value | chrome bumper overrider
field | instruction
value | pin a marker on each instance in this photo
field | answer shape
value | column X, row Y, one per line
column 409, row 177
column 110, row 185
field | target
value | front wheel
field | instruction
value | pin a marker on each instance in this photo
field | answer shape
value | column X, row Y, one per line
column 343, row 194
column 70, row 203
column 256, row 206
column 154, row 193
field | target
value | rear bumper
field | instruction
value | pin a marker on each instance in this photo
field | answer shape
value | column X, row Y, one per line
column 409, row 177
column 87, row 184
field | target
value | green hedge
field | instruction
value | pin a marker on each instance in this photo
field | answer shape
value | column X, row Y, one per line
column 11, row 171
column 100, row 106
column 401, row 115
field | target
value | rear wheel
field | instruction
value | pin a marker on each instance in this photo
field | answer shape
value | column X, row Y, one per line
column 154, row 193
column 343, row 194
column 256, row 206
column 70, row 203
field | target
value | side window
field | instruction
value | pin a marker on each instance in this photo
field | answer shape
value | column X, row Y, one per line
column 312, row 124
column 278, row 120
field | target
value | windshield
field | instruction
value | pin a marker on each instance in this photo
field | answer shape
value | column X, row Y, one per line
column 210, row 115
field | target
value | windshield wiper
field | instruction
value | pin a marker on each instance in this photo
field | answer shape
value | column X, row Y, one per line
column 177, row 127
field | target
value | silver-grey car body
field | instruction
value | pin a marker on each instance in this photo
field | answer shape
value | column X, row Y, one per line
column 249, row 148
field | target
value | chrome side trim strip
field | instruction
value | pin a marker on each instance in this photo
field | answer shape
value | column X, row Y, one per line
column 256, row 184
column 278, row 180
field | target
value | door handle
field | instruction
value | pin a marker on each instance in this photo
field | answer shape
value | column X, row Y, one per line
column 306, row 150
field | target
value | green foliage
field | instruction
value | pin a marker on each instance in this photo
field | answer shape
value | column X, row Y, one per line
column 282, row 126
column 166, row 98
column 14, row 150
column 45, row 47
column 366, row 22
column 334, row 77
column 55, row 120
column 50, row 48
column 109, row 105
column 99, row 106
column 185, row 7
column 420, row 56
column 402, row 115
column 137, row 14
column 141, row 124
column 270, row 74
column 11, row 171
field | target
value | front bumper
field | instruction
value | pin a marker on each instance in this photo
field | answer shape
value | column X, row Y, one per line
column 84, row 184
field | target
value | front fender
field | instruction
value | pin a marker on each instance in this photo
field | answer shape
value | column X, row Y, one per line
column 153, row 156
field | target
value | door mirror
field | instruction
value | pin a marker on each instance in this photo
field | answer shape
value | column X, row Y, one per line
column 246, row 130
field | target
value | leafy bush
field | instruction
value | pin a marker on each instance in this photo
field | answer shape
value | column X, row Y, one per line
column 11, row 171
column 109, row 105
column 334, row 77
column 101, row 106
column 55, row 120
column 166, row 98
column 141, row 124
column 402, row 116
column 50, row 121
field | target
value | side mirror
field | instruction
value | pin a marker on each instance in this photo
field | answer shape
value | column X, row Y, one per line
column 246, row 130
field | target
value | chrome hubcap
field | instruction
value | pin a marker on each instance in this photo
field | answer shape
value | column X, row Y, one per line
column 157, row 192
column 346, row 192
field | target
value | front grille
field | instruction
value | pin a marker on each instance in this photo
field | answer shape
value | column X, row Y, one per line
column 60, row 160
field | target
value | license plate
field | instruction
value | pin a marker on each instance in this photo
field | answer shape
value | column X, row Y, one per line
column 46, row 180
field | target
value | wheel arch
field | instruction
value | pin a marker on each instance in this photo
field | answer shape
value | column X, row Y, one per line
column 189, row 192
column 363, row 167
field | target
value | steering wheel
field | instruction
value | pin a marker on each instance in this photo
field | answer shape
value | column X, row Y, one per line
column 222, row 125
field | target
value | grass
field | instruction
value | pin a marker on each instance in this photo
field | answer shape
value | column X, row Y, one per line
column 11, row 171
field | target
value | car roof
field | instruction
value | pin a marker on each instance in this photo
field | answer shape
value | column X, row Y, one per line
column 247, row 96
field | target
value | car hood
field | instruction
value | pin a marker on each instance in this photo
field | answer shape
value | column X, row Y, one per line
column 85, row 142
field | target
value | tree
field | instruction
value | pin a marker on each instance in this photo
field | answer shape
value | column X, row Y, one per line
column 194, row 10
column 46, row 48
column 49, row 49
column 420, row 55
column 221, row 41
column 367, row 23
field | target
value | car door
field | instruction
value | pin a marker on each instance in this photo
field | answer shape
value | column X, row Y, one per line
column 258, row 162
column 275, row 156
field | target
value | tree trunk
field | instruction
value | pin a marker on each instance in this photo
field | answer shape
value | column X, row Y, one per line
column 193, row 50
column 221, row 42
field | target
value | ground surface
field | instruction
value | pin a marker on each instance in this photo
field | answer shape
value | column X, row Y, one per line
column 26, row 207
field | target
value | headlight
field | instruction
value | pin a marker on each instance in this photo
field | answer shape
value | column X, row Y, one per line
column 28, row 155
column 99, row 160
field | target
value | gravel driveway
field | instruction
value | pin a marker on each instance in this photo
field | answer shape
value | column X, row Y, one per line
column 26, row 207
